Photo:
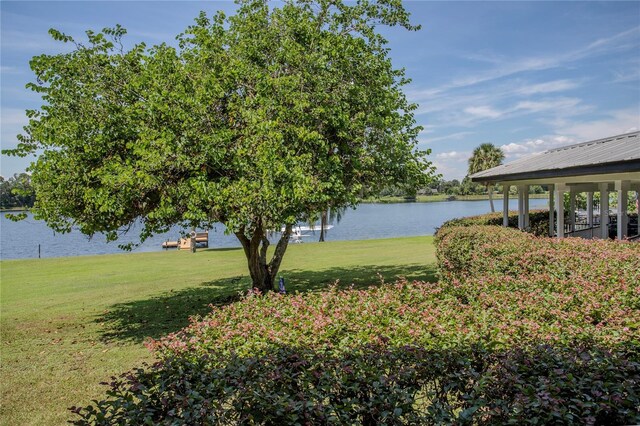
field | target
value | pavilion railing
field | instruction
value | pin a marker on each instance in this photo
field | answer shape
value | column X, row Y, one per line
column 582, row 227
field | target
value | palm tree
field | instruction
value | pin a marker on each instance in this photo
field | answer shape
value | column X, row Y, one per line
column 333, row 214
column 484, row 157
column 329, row 216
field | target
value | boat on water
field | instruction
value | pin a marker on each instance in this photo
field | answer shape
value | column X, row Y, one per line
column 298, row 232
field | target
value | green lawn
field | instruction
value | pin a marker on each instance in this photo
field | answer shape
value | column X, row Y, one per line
column 69, row 323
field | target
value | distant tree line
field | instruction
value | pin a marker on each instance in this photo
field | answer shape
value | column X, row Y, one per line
column 452, row 187
column 455, row 187
column 16, row 191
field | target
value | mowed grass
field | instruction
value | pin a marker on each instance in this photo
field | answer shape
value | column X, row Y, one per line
column 68, row 324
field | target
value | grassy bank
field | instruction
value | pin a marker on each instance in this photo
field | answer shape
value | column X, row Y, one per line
column 444, row 197
column 70, row 323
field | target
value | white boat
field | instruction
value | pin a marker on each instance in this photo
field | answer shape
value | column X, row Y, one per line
column 297, row 232
column 306, row 228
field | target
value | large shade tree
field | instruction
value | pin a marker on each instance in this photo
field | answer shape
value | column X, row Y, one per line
column 484, row 157
column 253, row 120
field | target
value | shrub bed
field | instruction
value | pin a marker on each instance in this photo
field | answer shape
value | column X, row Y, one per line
column 518, row 330
column 538, row 221
column 475, row 251
column 377, row 384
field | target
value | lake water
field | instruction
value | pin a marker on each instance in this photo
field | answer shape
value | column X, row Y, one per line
column 21, row 239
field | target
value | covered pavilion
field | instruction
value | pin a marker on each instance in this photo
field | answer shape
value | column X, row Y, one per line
column 604, row 165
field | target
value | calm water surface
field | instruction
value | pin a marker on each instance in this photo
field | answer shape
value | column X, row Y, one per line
column 21, row 239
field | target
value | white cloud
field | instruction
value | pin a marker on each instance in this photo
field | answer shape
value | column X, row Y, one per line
column 450, row 171
column 32, row 42
column 468, row 111
column 426, row 129
column 570, row 132
column 506, row 99
column 512, row 148
column 515, row 150
column 605, row 43
column 549, row 87
column 627, row 72
column 616, row 122
column 557, row 105
column 454, row 155
column 504, row 69
column 146, row 35
column 484, row 111
column 508, row 66
column 519, row 92
column 9, row 70
column 626, row 76
column 452, row 136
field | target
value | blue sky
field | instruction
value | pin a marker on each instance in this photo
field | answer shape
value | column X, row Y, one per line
column 526, row 76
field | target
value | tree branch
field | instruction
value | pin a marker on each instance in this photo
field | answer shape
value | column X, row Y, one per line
column 281, row 248
column 263, row 249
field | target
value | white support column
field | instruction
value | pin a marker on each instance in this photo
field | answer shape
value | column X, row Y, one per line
column 521, row 207
column 590, row 209
column 604, row 210
column 572, row 209
column 559, row 194
column 622, row 186
column 526, row 206
column 551, row 210
column 505, row 204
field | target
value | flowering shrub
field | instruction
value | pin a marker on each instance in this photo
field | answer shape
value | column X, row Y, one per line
column 510, row 252
column 519, row 329
column 562, row 287
column 500, row 311
column 538, row 221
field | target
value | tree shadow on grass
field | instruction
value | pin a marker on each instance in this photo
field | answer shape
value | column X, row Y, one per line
column 169, row 312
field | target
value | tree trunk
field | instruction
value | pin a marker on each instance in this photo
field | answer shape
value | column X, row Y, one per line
column 263, row 273
column 323, row 225
column 192, row 240
column 490, row 191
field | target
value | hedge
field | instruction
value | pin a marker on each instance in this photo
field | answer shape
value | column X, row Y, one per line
column 376, row 385
column 519, row 329
column 538, row 221
column 488, row 251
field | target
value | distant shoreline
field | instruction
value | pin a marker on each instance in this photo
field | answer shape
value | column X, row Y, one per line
column 386, row 200
column 444, row 197
column 14, row 210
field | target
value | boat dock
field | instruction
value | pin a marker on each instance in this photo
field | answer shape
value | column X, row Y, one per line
column 201, row 240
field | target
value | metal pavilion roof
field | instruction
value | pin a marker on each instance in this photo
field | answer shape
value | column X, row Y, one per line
column 614, row 154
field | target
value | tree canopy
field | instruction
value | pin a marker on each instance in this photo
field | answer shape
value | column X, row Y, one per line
column 253, row 120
